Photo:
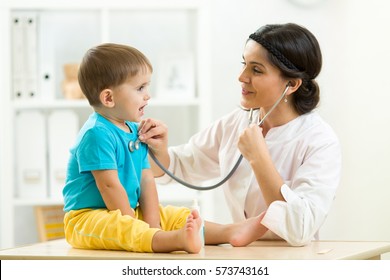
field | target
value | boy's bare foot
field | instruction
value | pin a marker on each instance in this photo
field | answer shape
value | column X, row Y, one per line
column 247, row 231
column 190, row 233
column 185, row 239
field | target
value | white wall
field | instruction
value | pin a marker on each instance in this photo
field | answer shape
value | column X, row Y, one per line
column 233, row 21
column 355, row 95
column 361, row 210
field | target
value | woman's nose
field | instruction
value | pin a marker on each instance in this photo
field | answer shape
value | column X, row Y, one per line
column 243, row 78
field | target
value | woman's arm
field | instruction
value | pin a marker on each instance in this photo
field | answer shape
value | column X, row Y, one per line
column 253, row 147
column 308, row 194
column 148, row 202
column 186, row 155
column 196, row 161
column 310, row 166
column 112, row 191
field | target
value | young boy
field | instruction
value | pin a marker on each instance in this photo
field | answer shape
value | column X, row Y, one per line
column 110, row 194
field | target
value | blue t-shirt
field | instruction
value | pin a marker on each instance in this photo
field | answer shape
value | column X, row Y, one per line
column 101, row 145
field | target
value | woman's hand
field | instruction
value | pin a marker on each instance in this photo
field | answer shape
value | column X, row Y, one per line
column 251, row 143
column 155, row 134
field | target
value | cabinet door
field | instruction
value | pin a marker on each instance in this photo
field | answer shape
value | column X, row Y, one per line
column 31, row 161
column 63, row 126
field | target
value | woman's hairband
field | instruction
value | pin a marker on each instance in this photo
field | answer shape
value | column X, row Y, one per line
column 273, row 51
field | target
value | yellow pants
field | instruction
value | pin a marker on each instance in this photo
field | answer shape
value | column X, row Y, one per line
column 103, row 229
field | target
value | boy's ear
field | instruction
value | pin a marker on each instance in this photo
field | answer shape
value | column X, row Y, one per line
column 107, row 98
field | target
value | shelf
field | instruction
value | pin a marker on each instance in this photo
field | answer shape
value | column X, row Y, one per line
column 54, row 104
column 83, row 103
column 165, row 192
column 35, row 201
column 102, row 4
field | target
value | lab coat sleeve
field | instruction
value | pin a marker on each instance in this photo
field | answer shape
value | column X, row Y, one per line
column 308, row 198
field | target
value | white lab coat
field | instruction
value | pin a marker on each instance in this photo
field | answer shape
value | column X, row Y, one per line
column 305, row 151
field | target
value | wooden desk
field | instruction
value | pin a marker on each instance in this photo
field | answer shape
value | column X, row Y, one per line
column 264, row 250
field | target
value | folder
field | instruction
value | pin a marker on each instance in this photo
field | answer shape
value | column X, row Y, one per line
column 31, row 54
column 24, row 55
column 18, row 56
column 48, row 53
column 63, row 126
column 31, row 163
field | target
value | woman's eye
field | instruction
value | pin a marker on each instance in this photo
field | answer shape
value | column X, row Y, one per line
column 254, row 69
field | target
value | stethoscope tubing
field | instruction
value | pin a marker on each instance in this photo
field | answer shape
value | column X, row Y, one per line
column 188, row 185
column 214, row 186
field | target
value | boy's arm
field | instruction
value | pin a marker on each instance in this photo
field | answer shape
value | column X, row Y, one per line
column 112, row 191
column 148, row 201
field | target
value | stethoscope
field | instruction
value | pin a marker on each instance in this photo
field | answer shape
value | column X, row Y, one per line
column 135, row 146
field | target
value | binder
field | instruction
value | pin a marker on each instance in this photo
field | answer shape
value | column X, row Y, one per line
column 18, row 86
column 47, row 51
column 46, row 82
column 31, row 54
column 24, row 55
column 31, row 155
column 63, row 126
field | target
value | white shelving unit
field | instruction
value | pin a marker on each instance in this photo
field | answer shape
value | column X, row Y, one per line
column 62, row 32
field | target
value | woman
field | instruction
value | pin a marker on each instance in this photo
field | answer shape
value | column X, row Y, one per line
column 292, row 161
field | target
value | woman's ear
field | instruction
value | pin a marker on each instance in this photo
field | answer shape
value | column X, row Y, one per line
column 107, row 98
column 294, row 85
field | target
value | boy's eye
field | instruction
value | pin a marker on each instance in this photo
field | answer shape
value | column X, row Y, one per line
column 144, row 87
column 141, row 88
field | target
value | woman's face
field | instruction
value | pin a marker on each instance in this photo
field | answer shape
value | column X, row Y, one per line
column 261, row 82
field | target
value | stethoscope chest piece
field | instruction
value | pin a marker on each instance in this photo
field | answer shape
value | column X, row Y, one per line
column 134, row 145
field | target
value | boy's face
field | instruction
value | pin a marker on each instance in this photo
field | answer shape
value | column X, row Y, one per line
column 132, row 97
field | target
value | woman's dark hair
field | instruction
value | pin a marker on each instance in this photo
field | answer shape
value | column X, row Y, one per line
column 296, row 52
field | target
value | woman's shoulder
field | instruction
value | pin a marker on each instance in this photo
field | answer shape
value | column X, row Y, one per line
column 313, row 125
